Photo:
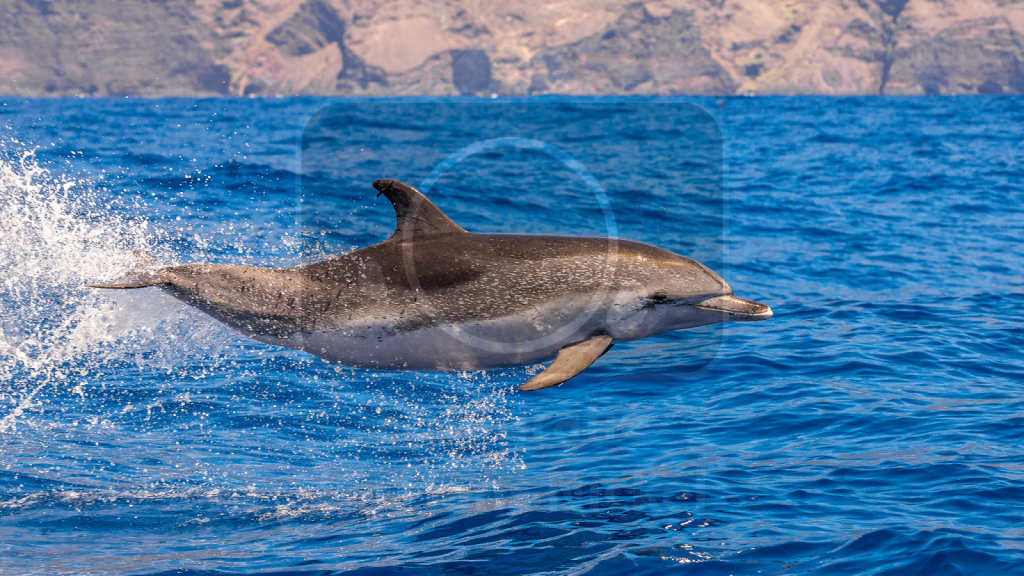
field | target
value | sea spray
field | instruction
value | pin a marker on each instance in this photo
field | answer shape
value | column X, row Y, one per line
column 58, row 236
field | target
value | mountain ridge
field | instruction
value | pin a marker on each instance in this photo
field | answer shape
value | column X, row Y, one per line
column 510, row 48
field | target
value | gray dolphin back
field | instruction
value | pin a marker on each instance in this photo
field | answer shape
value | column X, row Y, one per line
column 417, row 216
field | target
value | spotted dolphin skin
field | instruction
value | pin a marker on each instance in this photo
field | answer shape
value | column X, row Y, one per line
column 436, row 297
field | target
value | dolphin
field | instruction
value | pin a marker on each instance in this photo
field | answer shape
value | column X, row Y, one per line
column 436, row 297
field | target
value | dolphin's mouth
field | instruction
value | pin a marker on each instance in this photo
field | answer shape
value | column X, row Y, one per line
column 736, row 308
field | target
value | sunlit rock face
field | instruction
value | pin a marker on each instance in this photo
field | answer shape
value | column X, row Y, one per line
column 514, row 47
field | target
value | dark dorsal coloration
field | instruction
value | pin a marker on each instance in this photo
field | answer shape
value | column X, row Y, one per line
column 417, row 216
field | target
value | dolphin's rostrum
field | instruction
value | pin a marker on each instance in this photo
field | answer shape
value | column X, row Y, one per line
column 436, row 297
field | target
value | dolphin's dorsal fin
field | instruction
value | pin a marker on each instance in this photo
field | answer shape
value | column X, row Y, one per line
column 417, row 216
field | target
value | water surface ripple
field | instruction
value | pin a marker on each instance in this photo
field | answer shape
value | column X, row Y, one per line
column 873, row 426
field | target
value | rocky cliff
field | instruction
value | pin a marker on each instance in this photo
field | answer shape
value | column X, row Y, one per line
column 510, row 47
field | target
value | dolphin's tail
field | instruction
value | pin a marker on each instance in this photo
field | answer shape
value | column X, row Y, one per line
column 144, row 273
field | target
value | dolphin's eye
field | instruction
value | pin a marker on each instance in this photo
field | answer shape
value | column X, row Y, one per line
column 654, row 299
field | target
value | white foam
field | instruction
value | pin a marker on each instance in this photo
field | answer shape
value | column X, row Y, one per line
column 57, row 236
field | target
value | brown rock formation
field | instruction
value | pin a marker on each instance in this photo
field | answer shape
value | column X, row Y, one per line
column 513, row 47
column 107, row 48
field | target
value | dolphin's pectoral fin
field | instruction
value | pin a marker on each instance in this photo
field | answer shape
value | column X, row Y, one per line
column 417, row 216
column 570, row 361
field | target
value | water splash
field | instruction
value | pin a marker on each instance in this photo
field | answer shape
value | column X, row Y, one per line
column 58, row 237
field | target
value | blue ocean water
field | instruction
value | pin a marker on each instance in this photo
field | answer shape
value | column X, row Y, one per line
column 873, row 426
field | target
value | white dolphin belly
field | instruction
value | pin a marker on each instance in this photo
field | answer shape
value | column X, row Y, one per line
column 527, row 337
